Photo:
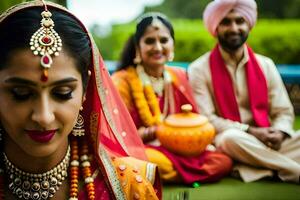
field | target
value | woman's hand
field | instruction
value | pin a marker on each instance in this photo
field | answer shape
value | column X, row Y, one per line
column 147, row 133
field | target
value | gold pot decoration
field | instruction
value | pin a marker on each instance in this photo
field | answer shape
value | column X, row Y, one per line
column 186, row 133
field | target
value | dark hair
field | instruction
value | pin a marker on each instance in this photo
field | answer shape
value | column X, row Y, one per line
column 128, row 53
column 17, row 29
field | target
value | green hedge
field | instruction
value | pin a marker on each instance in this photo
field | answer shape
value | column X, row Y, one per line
column 278, row 39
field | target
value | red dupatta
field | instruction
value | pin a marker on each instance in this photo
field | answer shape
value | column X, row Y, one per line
column 107, row 122
column 183, row 85
column 224, row 92
column 112, row 132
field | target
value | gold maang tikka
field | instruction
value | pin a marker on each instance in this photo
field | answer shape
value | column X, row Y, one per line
column 156, row 22
column 46, row 42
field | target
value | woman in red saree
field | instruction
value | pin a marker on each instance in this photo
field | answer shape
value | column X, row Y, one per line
column 65, row 133
column 151, row 91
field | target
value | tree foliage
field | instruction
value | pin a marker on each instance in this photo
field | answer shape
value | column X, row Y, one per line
column 192, row 9
column 277, row 39
column 279, row 8
column 5, row 4
column 61, row 2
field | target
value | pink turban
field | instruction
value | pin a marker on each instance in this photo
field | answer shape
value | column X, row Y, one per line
column 216, row 10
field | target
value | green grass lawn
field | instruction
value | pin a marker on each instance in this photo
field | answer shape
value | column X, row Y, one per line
column 297, row 123
column 234, row 189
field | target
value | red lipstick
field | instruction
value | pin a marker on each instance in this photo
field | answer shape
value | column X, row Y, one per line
column 41, row 136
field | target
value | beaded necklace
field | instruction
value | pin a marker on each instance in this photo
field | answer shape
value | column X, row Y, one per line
column 36, row 186
column 73, row 157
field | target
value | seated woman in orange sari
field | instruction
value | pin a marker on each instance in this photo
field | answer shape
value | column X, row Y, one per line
column 152, row 91
column 65, row 133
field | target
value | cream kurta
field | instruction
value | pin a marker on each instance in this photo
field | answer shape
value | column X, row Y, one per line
column 281, row 109
column 232, row 137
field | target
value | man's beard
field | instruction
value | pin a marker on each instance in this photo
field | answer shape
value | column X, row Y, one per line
column 232, row 44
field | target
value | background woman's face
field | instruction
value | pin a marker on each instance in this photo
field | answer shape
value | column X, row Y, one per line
column 155, row 46
column 38, row 116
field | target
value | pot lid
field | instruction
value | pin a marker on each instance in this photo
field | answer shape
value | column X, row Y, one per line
column 186, row 118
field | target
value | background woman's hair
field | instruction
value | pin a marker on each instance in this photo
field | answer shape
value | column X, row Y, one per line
column 128, row 52
column 17, row 29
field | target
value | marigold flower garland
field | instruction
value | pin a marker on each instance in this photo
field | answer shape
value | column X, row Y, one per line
column 144, row 96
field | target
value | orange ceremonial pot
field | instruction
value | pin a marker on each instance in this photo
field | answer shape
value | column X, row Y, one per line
column 186, row 133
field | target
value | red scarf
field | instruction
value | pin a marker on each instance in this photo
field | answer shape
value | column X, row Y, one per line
column 224, row 92
column 183, row 82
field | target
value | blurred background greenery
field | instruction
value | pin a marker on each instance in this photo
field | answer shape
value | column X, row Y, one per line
column 278, row 39
column 277, row 33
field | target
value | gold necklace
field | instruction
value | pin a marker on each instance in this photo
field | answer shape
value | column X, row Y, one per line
column 36, row 186
column 157, row 85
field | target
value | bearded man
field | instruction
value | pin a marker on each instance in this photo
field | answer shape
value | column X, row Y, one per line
column 244, row 97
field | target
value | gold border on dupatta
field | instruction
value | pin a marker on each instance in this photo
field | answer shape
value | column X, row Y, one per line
column 112, row 175
column 102, row 96
column 110, row 170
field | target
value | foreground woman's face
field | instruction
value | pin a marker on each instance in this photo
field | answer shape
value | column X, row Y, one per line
column 38, row 116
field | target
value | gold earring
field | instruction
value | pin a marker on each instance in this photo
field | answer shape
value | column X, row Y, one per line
column 137, row 60
column 78, row 129
column 171, row 57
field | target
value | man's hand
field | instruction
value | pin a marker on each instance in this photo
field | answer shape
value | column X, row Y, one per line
column 275, row 139
column 260, row 133
column 269, row 136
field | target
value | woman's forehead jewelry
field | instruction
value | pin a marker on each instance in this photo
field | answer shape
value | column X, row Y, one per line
column 46, row 42
column 152, row 15
column 156, row 22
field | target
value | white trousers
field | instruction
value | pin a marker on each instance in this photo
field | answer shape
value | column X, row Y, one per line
column 257, row 160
